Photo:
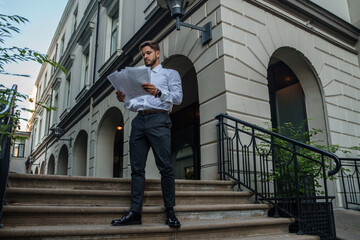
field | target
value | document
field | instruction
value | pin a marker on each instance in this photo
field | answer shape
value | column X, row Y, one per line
column 129, row 81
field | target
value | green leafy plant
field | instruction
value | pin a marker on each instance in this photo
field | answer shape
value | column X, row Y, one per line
column 309, row 164
column 15, row 54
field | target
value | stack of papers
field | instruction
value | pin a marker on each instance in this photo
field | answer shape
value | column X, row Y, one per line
column 129, row 81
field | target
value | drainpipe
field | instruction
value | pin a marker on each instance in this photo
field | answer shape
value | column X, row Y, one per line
column 96, row 40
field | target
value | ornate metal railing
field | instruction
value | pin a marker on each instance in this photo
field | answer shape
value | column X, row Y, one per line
column 6, row 120
column 286, row 173
column 351, row 182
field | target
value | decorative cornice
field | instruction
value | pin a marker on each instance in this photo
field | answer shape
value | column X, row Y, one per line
column 325, row 19
column 318, row 17
column 86, row 33
column 68, row 61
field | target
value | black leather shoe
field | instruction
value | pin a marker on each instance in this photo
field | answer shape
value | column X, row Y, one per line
column 130, row 218
column 171, row 220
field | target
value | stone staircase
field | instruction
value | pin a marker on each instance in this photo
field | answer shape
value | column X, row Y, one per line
column 62, row 207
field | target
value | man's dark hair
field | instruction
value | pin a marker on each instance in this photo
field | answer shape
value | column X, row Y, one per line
column 152, row 44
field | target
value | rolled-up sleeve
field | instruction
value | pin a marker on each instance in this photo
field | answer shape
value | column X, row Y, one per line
column 174, row 94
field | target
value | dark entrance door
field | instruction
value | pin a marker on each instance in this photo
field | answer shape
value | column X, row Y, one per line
column 286, row 98
column 185, row 142
column 185, row 139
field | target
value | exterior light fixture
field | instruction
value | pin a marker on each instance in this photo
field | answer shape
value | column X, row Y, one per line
column 58, row 132
column 177, row 9
column 31, row 161
column 119, row 128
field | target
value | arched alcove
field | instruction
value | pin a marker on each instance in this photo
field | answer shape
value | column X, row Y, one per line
column 109, row 147
column 62, row 165
column 80, row 154
column 308, row 80
column 37, row 170
column 51, row 165
column 42, row 168
column 185, row 132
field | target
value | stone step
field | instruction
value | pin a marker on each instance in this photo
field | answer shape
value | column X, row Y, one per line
column 223, row 229
column 70, row 215
column 38, row 196
column 118, row 184
column 282, row 236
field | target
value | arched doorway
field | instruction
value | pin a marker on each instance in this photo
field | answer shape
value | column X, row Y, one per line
column 109, row 147
column 80, row 154
column 62, row 165
column 42, row 168
column 185, row 133
column 295, row 91
column 51, row 165
column 37, row 170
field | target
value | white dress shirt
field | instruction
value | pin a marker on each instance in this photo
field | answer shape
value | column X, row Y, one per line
column 168, row 81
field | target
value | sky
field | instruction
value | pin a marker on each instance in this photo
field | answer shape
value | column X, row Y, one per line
column 37, row 34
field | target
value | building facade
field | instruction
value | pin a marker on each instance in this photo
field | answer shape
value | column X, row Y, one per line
column 269, row 62
column 20, row 150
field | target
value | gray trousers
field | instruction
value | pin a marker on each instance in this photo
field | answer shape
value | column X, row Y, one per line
column 151, row 130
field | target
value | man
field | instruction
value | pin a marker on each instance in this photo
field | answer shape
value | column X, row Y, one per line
column 151, row 128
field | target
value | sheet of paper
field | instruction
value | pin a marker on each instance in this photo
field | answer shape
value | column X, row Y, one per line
column 129, row 81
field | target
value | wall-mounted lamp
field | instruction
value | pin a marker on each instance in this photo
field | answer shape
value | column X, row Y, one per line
column 119, row 128
column 31, row 161
column 177, row 9
column 58, row 133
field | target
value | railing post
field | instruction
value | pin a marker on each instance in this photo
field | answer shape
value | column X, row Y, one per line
column 7, row 121
column 357, row 176
column 298, row 199
column 220, row 147
column 254, row 157
column 343, row 181
column 237, row 139
column 330, row 218
column 276, row 214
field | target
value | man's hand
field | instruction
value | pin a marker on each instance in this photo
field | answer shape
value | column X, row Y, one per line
column 120, row 96
column 150, row 88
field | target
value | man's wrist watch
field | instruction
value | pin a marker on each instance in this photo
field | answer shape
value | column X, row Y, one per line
column 158, row 94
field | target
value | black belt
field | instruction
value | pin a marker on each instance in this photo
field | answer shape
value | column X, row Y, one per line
column 150, row 111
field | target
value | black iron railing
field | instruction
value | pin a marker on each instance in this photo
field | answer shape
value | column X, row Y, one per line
column 351, row 182
column 6, row 120
column 289, row 174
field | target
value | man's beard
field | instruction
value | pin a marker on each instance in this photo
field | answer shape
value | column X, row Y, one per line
column 151, row 63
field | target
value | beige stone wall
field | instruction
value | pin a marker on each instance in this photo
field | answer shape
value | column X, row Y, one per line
column 251, row 36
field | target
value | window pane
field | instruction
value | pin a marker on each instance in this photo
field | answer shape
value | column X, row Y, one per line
column 114, row 31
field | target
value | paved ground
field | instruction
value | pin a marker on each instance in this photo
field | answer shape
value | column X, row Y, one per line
column 347, row 224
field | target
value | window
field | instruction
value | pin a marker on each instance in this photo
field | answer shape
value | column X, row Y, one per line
column 34, row 137
column 38, row 94
column 85, row 41
column 45, row 80
column 19, row 148
column 62, row 44
column 67, row 90
column 114, row 32
column 40, row 129
column 47, row 114
column 55, row 104
column 74, row 23
column 85, row 68
column 53, row 68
